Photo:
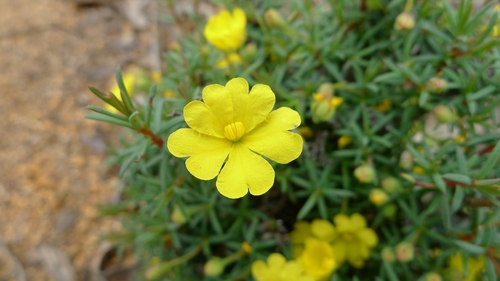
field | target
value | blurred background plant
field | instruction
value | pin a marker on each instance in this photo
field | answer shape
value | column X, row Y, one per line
column 399, row 104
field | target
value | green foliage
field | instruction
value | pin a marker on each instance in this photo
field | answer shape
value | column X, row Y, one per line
column 451, row 199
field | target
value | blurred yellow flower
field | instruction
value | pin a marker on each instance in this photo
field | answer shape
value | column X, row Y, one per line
column 156, row 76
column 226, row 30
column 129, row 82
column 474, row 266
column 351, row 240
column 344, row 141
column 278, row 268
column 231, row 59
column 324, row 103
column 233, row 127
column 384, row 105
column 318, row 259
column 169, row 94
column 378, row 196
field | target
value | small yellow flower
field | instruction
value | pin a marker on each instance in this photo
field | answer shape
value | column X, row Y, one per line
column 351, row 240
column 474, row 266
column 324, row 103
column 129, row 82
column 231, row 59
column 156, row 76
column 344, row 141
column 246, row 247
column 278, row 268
column 418, row 170
column 318, row 259
column 354, row 240
column 169, row 94
column 236, row 125
column 378, row 196
column 226, row 30
column 384, row 105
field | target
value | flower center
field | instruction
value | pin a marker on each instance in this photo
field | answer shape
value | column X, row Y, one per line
column 348, row 236
column 234, row 131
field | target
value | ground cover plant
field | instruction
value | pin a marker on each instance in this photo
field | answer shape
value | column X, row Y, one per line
column 337, row 140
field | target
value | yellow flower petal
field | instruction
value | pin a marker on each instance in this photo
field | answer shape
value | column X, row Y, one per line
column 271, row 138
column 201, row 118
column 259, row 269
column 323, row 229
column 368, row 237
column 276, row 260
column 218, row 98
column 244, row 170
column 206, row 154
column 260, row 102
column 301, row 231
column 342, row 222
column 226, row 31
column 318, row 259
column 358, row 222
column 340, row 251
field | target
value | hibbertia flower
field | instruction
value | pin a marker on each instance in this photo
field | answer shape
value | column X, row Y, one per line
column 230, row 132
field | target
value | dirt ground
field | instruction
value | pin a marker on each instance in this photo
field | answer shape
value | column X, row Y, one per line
column 51, row 159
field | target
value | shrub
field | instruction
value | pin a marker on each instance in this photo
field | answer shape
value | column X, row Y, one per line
column 397, row 177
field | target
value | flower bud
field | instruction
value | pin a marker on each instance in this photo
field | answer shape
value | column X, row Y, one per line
column 274, row 19
column 364, row 173
column 408, row 177
column 344, row 141
column 443, row 114
column 391, row 185
column 249, row 52
column 388, row 254
column 404, row 21
column 406, row 160
column 436, row 85
column 246, row 247
column 214, row 267
column 433, row 276
column 389, row 210
column 378, row 196
column 404, row 252
column 177, row 216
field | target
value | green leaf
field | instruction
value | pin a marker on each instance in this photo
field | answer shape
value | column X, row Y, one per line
column 469, row 247
column 307, row 207
column 492, row 160
column 105, row 112
column 109, row 119
column 214, row 220
column 439, row 182
column 390, row 271
column 481, row 93
column 458, row 178
column 419, row 158
column 490, row 270
column 458, row 198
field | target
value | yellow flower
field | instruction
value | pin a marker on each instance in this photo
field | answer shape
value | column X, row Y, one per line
column 344, row 141
column 156, row 76
column 169, row 94
column 129, row 82
column 318, row 259
column 239, row 126
column 474, row 266
column 378, row 196
column 324, row 103
column 278, row 268
column 384, row 105
column 351, row 240
column 232, row 59
column 226, row 30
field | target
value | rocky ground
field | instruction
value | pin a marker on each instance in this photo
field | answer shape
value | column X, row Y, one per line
column 52, row 174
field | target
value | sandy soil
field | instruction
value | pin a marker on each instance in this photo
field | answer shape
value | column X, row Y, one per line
column 51, row 158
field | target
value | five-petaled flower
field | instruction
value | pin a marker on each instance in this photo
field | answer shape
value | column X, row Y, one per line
column 233, row 127
column 226, row 30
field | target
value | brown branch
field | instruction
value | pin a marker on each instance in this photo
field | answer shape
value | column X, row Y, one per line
column 154, row 138
column 477, row 202
column 490, row 255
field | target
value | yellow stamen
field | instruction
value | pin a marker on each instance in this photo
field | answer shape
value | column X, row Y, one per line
column 348, row 236
column 234, row 131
